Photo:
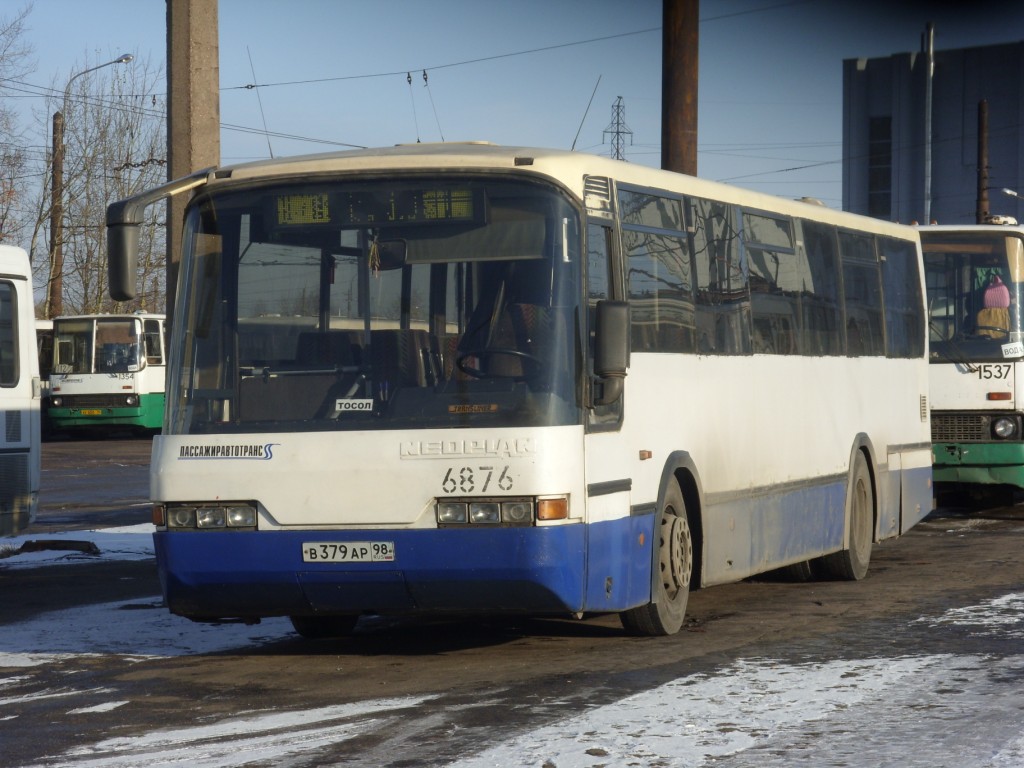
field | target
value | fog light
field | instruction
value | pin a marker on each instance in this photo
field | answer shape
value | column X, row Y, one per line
column 210, row 517
column 517, row 512
column 181, row 517
column 451, row 512
column 1004, row 427
column 485, row 512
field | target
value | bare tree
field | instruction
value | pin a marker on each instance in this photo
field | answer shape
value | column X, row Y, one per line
column 114, row 146
column 15, row 63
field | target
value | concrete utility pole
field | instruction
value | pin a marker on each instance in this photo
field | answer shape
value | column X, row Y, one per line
column 193, row 109
column 679, row 85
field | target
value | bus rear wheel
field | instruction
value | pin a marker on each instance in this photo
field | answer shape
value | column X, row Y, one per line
column 322, row 627
column 851, row 564
column 664, row 614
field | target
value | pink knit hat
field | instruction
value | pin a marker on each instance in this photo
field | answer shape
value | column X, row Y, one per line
column 997, row 294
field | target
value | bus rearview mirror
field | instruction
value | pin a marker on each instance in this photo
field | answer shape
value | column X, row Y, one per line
column 122, row 259
column 611, row 349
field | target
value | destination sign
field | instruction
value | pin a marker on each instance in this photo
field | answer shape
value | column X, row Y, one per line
column 379, row 206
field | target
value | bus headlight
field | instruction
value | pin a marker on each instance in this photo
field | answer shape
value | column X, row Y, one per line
column 1004, row 428
column 505, row 512
column 452, row 512
column 55, row 402
column 205, row 516
column 210, row 517
column 131, row 400
column 485, row 512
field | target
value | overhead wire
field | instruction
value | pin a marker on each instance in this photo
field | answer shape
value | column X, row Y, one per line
column 415, row 119
column 426, row 84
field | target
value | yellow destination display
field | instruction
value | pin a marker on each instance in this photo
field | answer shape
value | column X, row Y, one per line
column 303, row 209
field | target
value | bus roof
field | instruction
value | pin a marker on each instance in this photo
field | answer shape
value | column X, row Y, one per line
column 569, row 168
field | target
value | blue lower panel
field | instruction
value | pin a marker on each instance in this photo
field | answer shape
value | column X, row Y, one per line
column 249, row 574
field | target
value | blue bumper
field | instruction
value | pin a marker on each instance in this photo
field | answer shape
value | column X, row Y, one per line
column 253, row 574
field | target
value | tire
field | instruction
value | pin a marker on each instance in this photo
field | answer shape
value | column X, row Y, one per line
column 674, row 564
column 851, row 563
column 797, row 572
column 323, row 627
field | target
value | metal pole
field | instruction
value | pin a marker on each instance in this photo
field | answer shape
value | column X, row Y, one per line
column 55, row 285
column 929, row 77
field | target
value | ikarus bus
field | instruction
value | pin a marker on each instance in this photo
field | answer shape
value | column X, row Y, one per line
column 466, row 378
column 974, row 277
column 108, row 371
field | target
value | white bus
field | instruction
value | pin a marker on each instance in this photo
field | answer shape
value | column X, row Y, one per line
column 974, row 276
column 464, row 377
column 108, row 371
column 19, row 394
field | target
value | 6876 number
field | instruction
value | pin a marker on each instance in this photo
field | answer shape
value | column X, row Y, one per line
column 478, row 479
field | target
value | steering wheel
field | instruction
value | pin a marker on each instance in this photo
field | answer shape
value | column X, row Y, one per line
column 485, row 353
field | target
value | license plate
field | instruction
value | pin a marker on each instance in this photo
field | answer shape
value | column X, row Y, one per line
column 91, row 412
column 348, row 551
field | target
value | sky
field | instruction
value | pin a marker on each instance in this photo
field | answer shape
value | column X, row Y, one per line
column 958, row 710
column 334, row 73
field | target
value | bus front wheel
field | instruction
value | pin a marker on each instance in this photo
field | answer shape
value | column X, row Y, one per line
column 664, row 615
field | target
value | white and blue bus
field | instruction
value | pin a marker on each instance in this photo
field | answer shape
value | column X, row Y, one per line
column 108, row 371
column 19, row 394
column 470, row 378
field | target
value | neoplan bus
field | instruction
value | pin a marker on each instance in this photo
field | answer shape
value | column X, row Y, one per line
column 108, row 371
column 470, row 378
column 19, row 394
column 974, row 275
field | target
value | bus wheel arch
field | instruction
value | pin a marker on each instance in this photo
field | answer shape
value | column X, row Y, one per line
column 676, row 551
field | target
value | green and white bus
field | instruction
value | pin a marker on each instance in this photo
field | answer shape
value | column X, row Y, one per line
column 975, row 277
column 108, row 371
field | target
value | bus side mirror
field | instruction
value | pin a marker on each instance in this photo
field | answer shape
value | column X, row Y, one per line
column 122, row 260
column 611, row 350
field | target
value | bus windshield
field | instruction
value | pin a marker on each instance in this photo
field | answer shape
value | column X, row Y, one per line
column 378, row 305
column 87, row 345
column 974, row 281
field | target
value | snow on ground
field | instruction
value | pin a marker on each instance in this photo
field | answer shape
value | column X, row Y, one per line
column 133, row 542
column 134, row 629
column 906, row 710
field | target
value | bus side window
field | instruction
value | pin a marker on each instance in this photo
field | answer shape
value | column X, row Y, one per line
column 151, row 338
column 723, row 300
column 862, row 295
column 8, row 336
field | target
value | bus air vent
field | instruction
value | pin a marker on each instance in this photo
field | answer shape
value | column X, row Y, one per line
column 597, row 195
column 12, row 426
